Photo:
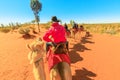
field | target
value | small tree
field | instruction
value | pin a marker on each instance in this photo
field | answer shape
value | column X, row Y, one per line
column 36, row 7
column 2, row 25
column 72, row 22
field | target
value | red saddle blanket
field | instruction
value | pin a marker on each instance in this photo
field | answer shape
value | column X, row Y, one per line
column 54, row 59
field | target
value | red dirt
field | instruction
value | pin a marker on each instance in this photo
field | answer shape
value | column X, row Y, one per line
column 93, row 58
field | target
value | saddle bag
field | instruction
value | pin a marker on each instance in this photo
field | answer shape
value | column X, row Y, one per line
column 60, row 48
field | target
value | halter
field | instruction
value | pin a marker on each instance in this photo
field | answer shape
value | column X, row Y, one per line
column 37, row 52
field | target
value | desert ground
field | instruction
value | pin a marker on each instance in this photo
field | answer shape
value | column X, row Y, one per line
column 92, row 58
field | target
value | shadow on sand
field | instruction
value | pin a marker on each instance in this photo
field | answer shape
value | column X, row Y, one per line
column 83, row 74
column 85, row 40
column 28, row 36
column 79, row 47
column 73, row 52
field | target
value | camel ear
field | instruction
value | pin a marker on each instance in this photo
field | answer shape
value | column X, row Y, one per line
column 28, row 46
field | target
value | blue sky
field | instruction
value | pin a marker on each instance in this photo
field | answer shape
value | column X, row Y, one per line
column 81, row 11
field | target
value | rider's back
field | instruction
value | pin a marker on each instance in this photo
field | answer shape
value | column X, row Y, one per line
column 57, row 32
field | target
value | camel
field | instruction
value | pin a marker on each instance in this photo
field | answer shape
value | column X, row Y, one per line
column 59, row 63
column 35, row 57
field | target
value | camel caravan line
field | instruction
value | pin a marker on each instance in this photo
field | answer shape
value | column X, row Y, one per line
column 76, row 32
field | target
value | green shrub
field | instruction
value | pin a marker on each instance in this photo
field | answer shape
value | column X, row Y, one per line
column 5, row 30
column 112, row 32
column 47, row 27
column 24, row 31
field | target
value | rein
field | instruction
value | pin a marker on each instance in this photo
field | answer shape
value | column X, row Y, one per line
column 37, row 52
column 40, row 59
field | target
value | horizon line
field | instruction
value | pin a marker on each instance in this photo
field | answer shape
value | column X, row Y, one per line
column 65, row 22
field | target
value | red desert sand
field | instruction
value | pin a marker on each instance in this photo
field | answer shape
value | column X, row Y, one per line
column 92, row 58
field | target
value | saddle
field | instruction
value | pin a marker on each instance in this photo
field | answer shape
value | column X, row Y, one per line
column 60, row 48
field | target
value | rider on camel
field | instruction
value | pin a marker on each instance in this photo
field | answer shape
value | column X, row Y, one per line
column 56, row 34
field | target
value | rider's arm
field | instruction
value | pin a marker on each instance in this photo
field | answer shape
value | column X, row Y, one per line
column 47, row 35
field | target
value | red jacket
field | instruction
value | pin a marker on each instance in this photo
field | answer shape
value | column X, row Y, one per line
column 57, row 32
